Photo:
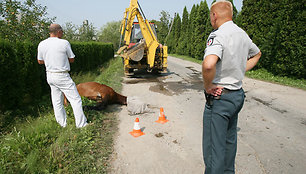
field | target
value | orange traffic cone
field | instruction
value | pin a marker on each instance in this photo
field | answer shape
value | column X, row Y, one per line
column 162, row 119
column 136, row 131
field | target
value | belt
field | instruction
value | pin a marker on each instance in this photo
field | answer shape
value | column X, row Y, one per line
column 210, row 98
column 226, row 91
column 58, row 72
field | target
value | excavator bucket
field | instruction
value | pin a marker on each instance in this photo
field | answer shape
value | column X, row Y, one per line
column 136, row 52
column 121, row 50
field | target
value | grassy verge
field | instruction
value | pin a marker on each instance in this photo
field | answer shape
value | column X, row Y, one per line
column 264, row 75
column 187, row 58
column 261, row 74
column 40, row 145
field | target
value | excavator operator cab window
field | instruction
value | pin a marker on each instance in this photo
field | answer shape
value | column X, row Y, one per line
column 136, row 35
column 154, row 28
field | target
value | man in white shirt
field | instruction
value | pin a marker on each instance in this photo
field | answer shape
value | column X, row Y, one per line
column 56, row 54
column 228, row 55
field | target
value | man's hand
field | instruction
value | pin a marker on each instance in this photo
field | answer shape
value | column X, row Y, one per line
column 71, row 60
column 214, row 90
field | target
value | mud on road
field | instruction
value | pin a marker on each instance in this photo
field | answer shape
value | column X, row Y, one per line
column 271, row 126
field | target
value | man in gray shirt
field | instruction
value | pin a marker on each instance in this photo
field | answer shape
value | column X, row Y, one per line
column 228, row 55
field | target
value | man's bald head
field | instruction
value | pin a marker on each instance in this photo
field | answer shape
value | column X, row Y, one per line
column 221, row 12
column 54, row 28
column 223, row 8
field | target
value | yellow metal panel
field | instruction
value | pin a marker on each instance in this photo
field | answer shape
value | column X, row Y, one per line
column 165, row 61
column 151, row 53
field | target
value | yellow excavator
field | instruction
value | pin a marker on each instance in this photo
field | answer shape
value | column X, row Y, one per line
column 140, row 49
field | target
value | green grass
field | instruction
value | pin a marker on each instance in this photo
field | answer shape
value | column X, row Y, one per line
column 40, row 145
column 112, row 76
column 264, row 75
column 261, row 74
column 186, row 58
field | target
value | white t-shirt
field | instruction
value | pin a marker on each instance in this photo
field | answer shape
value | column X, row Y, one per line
column 233, row 47
column 55, row 53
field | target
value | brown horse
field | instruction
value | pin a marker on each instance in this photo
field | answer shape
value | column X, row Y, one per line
column 103, row 94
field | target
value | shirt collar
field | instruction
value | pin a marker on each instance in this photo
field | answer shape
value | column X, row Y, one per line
column 226, row 24
column 53, row 38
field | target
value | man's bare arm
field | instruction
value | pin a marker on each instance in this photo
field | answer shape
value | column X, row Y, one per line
column 252, row 61
column 209, row 70
column 41, row 62
column 71, row 60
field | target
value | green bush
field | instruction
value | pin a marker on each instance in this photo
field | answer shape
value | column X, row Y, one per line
column 23, row 80
column 90, row 55
column 278, row 34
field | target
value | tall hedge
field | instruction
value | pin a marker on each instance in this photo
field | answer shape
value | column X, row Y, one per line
column 175, row 33
column 90, row 55
column 183, row 40
column 200, row 31
column 192, row 23
column 278, row 28
column 20, row 74
column 23, row 80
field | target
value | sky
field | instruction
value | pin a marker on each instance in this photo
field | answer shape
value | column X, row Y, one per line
column 100, row 12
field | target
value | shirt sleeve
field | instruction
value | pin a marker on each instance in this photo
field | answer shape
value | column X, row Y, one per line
column 69, row 52
column 39, row 53
column 253, row 50
column 213, row 46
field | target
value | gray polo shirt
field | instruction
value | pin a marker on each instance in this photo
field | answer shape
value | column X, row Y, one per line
column 233, row 47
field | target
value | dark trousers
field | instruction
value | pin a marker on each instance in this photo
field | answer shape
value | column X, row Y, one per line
column 220, row 132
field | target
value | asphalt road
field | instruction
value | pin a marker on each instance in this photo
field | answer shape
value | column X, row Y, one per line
column 271, row 126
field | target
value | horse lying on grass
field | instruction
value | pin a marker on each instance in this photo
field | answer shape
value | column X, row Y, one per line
column 104, row 95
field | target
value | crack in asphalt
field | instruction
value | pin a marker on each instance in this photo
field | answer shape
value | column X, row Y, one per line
column 268, row 104
column 255, row 155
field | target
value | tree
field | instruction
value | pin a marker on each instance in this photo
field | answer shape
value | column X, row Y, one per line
column 23, row 21
column 279, row 34
column 70, row 31
column 174, row 35
column 177, row 31
column 183, row 40
column 235, row 11
column 84, row 33
column 200, row 28
column 163, row 26
column 285, row 46
column 258, row 25
column 110, row 33
column 191, row 31
column 87, row 32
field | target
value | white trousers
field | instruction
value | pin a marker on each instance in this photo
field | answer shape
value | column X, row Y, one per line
column 62, row 83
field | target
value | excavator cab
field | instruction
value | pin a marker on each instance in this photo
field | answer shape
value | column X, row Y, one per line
column 136, row 34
